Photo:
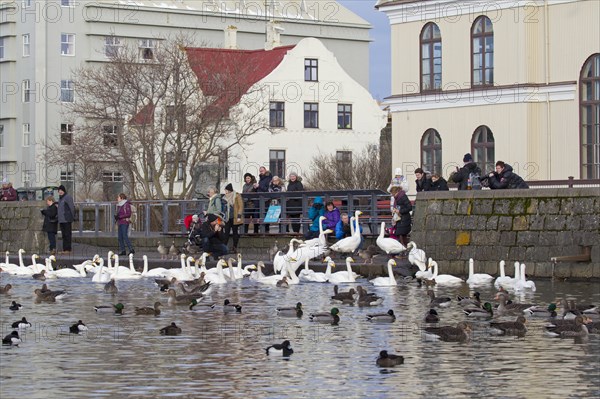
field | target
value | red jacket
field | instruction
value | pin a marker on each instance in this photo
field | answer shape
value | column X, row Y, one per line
column 8, row 194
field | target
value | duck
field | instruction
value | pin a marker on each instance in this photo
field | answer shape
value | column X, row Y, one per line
column 317, row 277
column 537, row 311
column 477, row 278
column 442, row 302
column 181, row 299
column 291, row 312
column 283, row 349
column 386, row 281
column 229, row 307
column 367, row 299
column 503, row 280
column 349, row 244
column 6, row 289
column 14, row 306
column 460, row 333
column 171, row 329
column 333, row 317
column 49, row 295
column 196, row 303
column 111, row 287
column 39, row 276
column 156, row 272
column 388, row 245
column 432, row 316
column 78, row 328
column 571, row 330
column 21, row 324
column 386, row 359
column 444, row 279
column 388, row 317
column 12, row 339
column 369, row 253
column 155, row 311
column 118, row 308
column 345, row 276
column 162, row 250
column 486, row 311
column 516, row 327
column 466, row 301
column 283, row 283
column 344, row 297
column 505, row 308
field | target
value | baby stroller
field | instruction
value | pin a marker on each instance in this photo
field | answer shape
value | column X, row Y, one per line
column 192, row 224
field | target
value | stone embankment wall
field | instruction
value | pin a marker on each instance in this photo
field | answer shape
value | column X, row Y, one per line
column 21, row 227
column 528, row 226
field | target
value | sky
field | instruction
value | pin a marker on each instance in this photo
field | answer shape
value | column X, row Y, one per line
column 380, row 63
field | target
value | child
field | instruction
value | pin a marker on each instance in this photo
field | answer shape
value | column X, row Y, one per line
column 51, row 222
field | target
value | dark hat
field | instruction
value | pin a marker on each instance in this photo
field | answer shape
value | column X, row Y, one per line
column 62, row 188
column 468, row 158
column 229, row 187
column 211, row 217
column 419, row 170
column 248, row 175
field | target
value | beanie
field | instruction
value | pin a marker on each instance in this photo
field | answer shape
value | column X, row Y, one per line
column 62, row 188
column 229, row 187
column 467, row 158
column 211, row 217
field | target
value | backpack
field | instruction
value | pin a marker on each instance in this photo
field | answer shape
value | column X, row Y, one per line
column 225, row 208
column 475, row 181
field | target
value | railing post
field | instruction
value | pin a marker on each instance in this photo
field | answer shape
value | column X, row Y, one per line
column 304, row 212
column 283, row 204
column 165, row 217
column 80, row 221
column 147, row 219
column 571, row 178
column 261, row 213
column 96, row 219
column 374, row 215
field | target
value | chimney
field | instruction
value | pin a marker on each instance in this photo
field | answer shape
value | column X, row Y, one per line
column 273, row 35
column 230, row 38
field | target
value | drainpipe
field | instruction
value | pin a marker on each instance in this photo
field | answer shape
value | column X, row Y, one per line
column 547, row 67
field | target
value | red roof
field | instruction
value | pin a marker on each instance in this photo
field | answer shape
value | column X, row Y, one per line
column 228, row 74
column 144, row 117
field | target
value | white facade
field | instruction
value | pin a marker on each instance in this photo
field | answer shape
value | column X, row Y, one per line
column 295, row 142
column 43, row 42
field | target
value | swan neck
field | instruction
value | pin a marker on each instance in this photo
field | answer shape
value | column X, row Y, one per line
column 502, row 269
column 391, row 272
column 145, row 271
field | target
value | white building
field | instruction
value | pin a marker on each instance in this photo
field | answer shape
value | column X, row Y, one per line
column 43, row 42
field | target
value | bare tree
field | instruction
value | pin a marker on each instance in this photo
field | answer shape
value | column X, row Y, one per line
column 362, row 173
column 160, row 114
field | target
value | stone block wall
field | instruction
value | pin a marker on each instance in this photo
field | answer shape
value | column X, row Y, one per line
column 21, row 227
column 529, row 226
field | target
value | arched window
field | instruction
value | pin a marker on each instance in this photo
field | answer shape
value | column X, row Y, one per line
column 482, row 147
column 482, row 46
column 590, row 118
column 431, row 58
column 431, row 151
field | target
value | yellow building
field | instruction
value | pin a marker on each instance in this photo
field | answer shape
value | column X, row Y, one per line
column 517, row 81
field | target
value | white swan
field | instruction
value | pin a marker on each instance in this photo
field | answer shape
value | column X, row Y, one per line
column 36, row 267
column 504, row 281
column 7, row 266
column 386, row 281
column 258, row 274
column 102, row 275
column 388, row 245
column 317, row 277
column 318, row 240
column 218, row 277
column 477, row 278
column 427, row 274
column 344, row 276
column 49, row 270
column 22, row 270
column 238, row 271
column 280, row 258
column 417, row 256
column 184, row 273
column 270, row 280
column 156, row 272
column 444, row 279
column 525, row 284
column 69, row 273
column 303, row 252
column 124, row 273
column 349, row 244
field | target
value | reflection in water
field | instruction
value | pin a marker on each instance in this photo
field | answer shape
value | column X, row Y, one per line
column 223, row 354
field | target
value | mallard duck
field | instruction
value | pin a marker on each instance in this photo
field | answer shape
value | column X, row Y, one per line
column 15, row 306
column 229, row 307
column 386, row 359
column 291, row 312
column 576, row 329
column 165, row 281
column 485, row 311
column 347, row 297
column 510, row 327
column 78, row 327
column 537, row 311
column 432, row 316
column 118, row 308
column 442, row 302
column 5, row 289
column 39, row 276
column 505, row 308
column 21, row 324
column 12, row 339
column 367, row 299
column 111, row 287
column 148, row 310
column 181, row 299
column 388, row 317
column 197, row 303
column 466, row 301
column 49, row 295
column 328, row 318
column 460, row 333
column 282, row 349
column 171, row 329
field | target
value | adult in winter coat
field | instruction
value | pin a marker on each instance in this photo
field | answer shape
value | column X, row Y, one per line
column 214, row 203
column 314, row 213
column 461, row 176
column 438, row 183
column 213, row 238
column 423, row 181
column 235, row 217
column 504, row 177
column 250, row 205
column 403, row 209
column 8, row 193
column 66, row 215
column 294, row 206
column 123, row 220
column 264, row 181
column 50, row 225
column 332, row 215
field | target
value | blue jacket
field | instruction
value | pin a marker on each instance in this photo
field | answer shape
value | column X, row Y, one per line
column 343, row 231
column 315, row 212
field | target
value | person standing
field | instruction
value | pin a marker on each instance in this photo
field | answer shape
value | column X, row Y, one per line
column 249, row 204
column 404, row 223
column 235, row 217
column 214, row 203
column 294, row 206
column 123, row 219
column 66, row 215
column 50, row 225
column 264, row 182
column 462, row 175
column 8, row 193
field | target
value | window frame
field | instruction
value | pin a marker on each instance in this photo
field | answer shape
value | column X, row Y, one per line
column 277, row 164
column 436, row 165
column 343, row 113
column 430, row 26
column 66, row 133
column 484, row 66
column 26, row 137
column 311, row 67
column 112, row 177
column 66, row 87
column 277, row 115
column 343, row 166
column 144, row 45
column 2, row 48
column 311, row 112
column 26, row 40
column 69, row 3
column 594, row 164
column 1, row 135
column 115, row 46
column 488, row 163
column 110, row 136
column 70, row 46
column 26, row 89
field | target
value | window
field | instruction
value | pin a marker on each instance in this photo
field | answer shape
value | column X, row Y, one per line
column 26, row 3
column 311, row 70
column 175, row 117
column 482, row 148
column 66, row 3
column 66, row 133
column 482, row 35
column 277, row 162
column 311, row 115
column 26, row 177
column 1, row 48
column 431, row 152
column 66, row 176
column 146, row 49
column 67, row 44
column 181, row 167
column 67, row 93
column 26, row 46
column 344, row 116
column 112, row 177
column 1, row 136
column 344, row 161
column 590, row 118
column 112, row 46
column 109, row 135
column 26, row 134
column 26, row 88
column 112, row 184
column 431, row 58
column 277, row 114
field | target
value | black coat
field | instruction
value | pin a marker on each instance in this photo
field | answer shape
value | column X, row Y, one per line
column 403, row 226
column 462, row 176
column 506, row 179
column 214, row 237
column 50, row 218
column 423, row 184
column 295, row 205
column 264, row 182
column 440, row 185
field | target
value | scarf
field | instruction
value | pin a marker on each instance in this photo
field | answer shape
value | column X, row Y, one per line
column 121, row 203
column 230, row 197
